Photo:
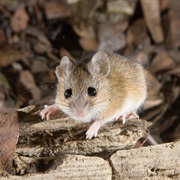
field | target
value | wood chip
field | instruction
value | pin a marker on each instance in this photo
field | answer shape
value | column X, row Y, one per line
column 153, row 162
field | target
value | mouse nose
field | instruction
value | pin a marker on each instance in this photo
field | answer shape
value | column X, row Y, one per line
column 79, row 109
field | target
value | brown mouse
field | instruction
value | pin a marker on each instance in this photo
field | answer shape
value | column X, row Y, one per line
column 100, row 89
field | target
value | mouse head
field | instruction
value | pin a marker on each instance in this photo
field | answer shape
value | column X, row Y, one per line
column 83, row 90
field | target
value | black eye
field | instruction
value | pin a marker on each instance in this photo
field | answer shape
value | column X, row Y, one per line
column 68, row 93
column 92, row 91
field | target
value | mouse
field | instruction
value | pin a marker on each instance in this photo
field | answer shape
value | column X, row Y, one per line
column 99, row 89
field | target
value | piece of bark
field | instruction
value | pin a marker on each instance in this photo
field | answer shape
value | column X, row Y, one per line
column 41, row 142
column 153, row 162
column 151, row 11
column 75, row 167
column 71, row 135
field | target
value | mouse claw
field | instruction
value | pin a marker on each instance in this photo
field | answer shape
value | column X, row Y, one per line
column 48, row 111
column 124, row 119
column 93, row 130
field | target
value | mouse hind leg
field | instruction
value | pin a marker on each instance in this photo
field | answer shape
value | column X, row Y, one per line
column 130, row 115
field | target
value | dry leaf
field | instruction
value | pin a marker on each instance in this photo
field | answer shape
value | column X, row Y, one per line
column 110, row 38
column 150, row 103
column 56, row 9
column 153, row 22
column 10, row 55
column 164, row 4
column 19, row 20
column 42, row 44
column 134, row 38
column 27, row 80
column 161, row 62
column 88, row 38
column 64, row 52
column 153, row 85
column 9, row 128
column 173, row 37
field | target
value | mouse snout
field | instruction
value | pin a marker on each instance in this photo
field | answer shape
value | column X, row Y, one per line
column 80, row 110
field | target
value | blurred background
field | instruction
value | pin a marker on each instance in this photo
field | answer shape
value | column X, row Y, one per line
column 35, row 34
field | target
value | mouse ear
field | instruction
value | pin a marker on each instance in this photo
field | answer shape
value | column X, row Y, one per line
column 99, row 64
column 64, row 68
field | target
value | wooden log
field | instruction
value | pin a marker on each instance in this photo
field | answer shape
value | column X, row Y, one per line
column 66, row 136
column 152, row 162
column 43, row 145
column 57, row 149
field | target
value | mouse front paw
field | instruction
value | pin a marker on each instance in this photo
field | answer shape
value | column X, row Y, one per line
column 93, row 130
column 49, row 111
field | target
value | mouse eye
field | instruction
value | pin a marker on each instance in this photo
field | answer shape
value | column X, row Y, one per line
column 91, row 91
column 68, row 93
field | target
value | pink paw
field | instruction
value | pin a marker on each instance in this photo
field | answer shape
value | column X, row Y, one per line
column 130, row 116
column 93, row 130
column 48, row 111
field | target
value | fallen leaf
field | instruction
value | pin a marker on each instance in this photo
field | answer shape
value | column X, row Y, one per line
column 150, row 103
column 87, row 38
column 164, row 4
column 64, row 52
column 56, row 9
column 154, row 85
column 41, row 43
column 175, row 71
column 10, row 55
column 153, row 22
column 9, row 128
column 19, row 20
column 4, row 82
column 110, row 38
column 27, row 79
column 2, row 38
column 161, row 62
column 173, row 36
column 134, row 38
